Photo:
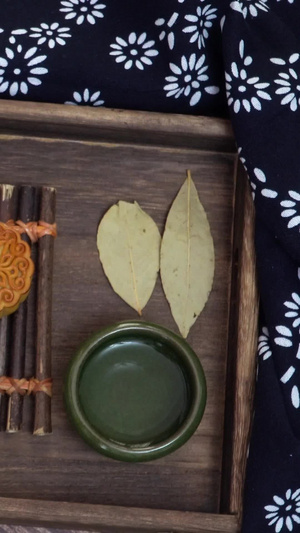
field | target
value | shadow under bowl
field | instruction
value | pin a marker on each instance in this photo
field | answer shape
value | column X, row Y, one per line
column 135, row 391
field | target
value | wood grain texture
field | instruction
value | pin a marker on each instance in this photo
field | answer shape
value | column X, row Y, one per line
column 25, row 213
column 91, row 173
column 110, row 519
column 243, row 333
column 31, row 331
column 42, row 415
column 90, row 178
column 112, row 125
column 8, row 210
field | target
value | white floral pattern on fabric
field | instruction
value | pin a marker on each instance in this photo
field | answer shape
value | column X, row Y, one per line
column 294, row 309
column 189, row 78
column 264, row 348
column 165, row 27
column 252, row 184
column 243, row 91
column 290, row 210
column 289, row 82
column 201, row 22
column 288, row 374
column 51, row 34
column 86, row 98
column 293, row 312
column 1, row 30
column 222, row 22
column 82, row 10
column 261, row 178
column 260, row 175
column 295, row 397
column 15, row 34
column 249, row 7
column 284, row 511
column 242, row 159
column 15, row 79
column 136, row 52
column 284, row 340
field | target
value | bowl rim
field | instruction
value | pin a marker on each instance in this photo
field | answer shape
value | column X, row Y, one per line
column 135, row 453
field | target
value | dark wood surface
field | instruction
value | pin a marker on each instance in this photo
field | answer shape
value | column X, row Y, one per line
column 26, row 210
column 114, row 125
column 8, row 210
column 42, row 413
column 31, row 326
column 241, row 363
column 92, row 170
column 112, row 519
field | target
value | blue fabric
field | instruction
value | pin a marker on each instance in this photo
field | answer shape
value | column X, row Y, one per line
column 222, row 58
column 113, row 47
column 262, row 53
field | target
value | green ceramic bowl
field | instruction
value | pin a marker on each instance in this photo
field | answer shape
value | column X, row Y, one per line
column 135, row 391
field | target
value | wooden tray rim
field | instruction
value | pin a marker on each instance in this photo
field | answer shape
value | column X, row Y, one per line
column 190, row 132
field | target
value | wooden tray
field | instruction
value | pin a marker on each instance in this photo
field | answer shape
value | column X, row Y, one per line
column 94, row 158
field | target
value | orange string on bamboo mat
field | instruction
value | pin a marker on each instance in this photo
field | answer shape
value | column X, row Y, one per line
column 25, row 386
column 34, row 230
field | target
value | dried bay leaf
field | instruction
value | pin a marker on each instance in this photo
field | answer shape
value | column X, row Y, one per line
column 187, row 257
column 128, row 241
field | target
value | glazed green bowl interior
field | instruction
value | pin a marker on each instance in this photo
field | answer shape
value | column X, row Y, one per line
column 135, row 391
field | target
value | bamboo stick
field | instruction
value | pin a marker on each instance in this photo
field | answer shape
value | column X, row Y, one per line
column 31, row 328
column 26, row 211
column 42, row 419
column 8, row 210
